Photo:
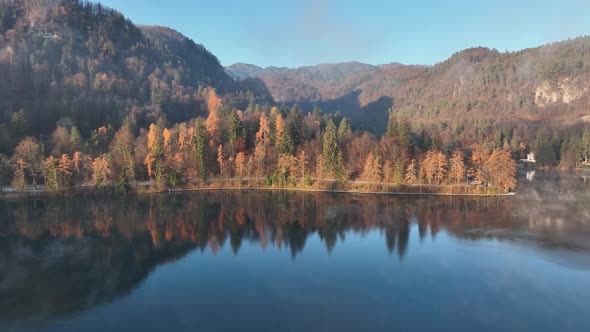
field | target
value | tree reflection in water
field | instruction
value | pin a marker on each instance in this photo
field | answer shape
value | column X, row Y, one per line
column 61, row 256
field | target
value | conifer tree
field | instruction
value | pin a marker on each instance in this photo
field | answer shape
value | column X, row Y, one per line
column 122, row 151
column 297, row 129
column 50, row 173
column 236, row 133
column 332, row 156
column 200, row 148
column 392, row 125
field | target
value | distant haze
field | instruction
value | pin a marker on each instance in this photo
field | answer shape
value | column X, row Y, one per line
column 294, row 33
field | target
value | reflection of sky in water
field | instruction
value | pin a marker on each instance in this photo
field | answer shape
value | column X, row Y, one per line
column 362, row 263
column 441, row 283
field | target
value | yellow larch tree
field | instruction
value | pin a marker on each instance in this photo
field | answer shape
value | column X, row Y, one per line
column 412, row 172
column 100, row 171
column 212, row 124
column 279, row 129
column 457, row 167
column 263, row 134
column 220, row 160
column 240, row 164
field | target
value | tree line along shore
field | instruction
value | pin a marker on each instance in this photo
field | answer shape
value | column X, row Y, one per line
column 278, row 147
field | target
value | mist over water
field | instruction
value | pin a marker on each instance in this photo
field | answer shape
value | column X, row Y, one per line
column 300, row 261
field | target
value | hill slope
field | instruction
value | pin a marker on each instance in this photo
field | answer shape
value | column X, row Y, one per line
column 551, row 82
column 84, row 64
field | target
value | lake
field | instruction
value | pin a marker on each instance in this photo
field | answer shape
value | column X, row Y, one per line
column 292, row 261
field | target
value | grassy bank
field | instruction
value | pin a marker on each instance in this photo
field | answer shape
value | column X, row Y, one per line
column 318, row 185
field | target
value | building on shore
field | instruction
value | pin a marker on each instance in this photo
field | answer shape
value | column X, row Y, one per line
column 530, row 159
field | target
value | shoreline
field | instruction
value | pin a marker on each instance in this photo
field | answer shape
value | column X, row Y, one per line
column 392, row 193
column 147, row 189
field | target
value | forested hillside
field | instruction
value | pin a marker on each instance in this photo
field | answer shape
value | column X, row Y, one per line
column 474, row 88
column 78, row 63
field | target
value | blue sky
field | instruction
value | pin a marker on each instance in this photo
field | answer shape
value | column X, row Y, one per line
column 306, row 32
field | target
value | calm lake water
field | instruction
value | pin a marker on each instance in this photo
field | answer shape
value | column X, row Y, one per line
column 263, row 261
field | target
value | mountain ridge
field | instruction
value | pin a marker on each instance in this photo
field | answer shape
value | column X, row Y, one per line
column 548, row 82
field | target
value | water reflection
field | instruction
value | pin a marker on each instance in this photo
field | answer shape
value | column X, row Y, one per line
column 62, row 256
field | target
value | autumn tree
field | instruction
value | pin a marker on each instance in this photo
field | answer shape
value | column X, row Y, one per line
column 64, row 171
column 387, row 171
column 213, row 122
column 279, row 129
column 479, row 156
column 263, row 134
column 412, row 172
column 240, row 164
column 60, row 140
column 262, row 140
column 368, row 169
column 440, row 167
column 287, row 169
column 320, row 166
column 502, row 170
column 167, row 139
column 302, row 161
column 19, row 179
column 77, row 166
column 28, row 154
column 100, row 171
column 457, row 167
column 373, row 170
column 221, row 160
column 429, row 166
column 155, row 160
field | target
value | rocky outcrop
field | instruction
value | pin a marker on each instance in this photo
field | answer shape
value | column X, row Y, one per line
column 563, row 91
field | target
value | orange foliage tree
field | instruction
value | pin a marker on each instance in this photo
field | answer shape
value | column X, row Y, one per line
column 502, row 168
column 212, row 124
column 412, row 172
column 457, row 167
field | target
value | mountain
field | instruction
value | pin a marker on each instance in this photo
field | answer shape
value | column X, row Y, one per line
column 550, row 82
column 79, row 63
column 310, row 83
column 241, row 71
